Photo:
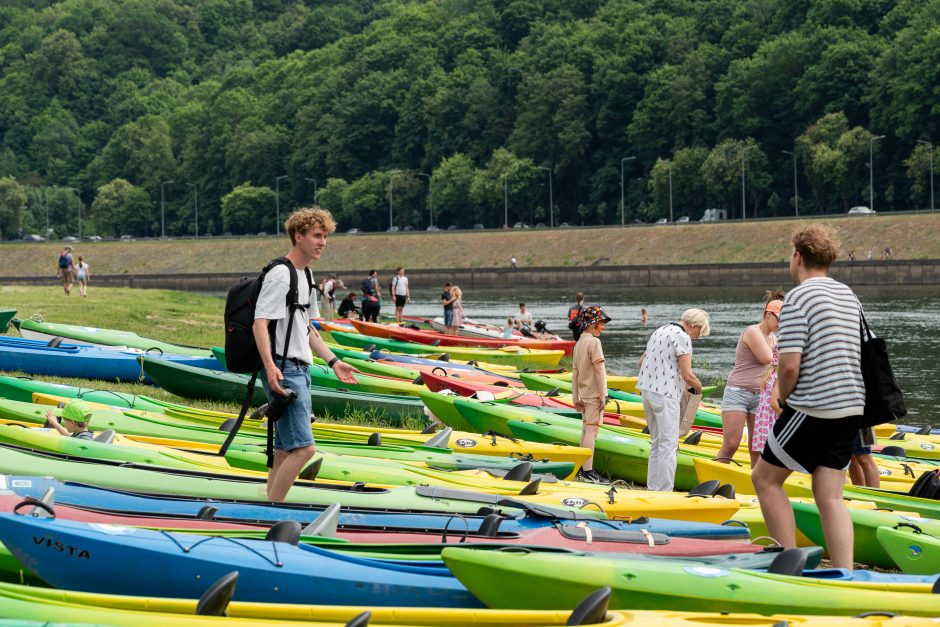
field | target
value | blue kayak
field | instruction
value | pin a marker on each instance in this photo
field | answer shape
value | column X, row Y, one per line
column 89, row 362
column 116, row 501
column 133, row 561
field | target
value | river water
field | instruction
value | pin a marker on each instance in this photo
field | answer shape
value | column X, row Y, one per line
column 905, row 317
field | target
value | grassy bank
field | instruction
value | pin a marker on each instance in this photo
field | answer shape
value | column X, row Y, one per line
column 909, row 236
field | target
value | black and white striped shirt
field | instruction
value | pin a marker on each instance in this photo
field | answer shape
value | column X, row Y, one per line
column 820, row 320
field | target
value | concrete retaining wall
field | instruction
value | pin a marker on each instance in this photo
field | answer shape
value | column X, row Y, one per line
column 892, row 272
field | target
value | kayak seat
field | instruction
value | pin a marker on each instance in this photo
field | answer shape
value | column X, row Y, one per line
column 530, row 488
column 375, row 439
column 894, row 451
column 369, row 348
column 553, row 392
column 418, row 380
column 592, row 610
column 436, row 343
column 725, row 490
column 105, row 437
column 284, row 531
column 206, row 512
column 215, row 600
column 520, row 472
column 706, row 488
column 324, row 525
column 693, row 438
column 55, row 342
column 788, row 562
column 360, row 620
column 624, row 536
column 312, row 470
column 645, row 430
column 431, row 428
column 441, row 439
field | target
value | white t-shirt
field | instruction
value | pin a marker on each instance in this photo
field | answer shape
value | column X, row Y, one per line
column 524, row 318
column 400, row 285
column 272, row 305
column 81, row 270
column 660, row 370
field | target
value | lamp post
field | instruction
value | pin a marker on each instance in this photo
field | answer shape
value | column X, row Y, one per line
column 743, row 197
column 929, row 147
column 430, row 199
column 314, row 188
column 670, row 191
column 277, row 203
column 391, row 182
column 505, row 199
column 163, row 208
column 195, row 204
column 796, row 193
column 551, row 200
column 871, row 171
column 621, row 187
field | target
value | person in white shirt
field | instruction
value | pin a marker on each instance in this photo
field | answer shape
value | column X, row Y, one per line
column 401, row 292
column 523, row 318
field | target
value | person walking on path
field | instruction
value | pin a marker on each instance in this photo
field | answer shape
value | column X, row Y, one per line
column 293, row 438
column 589, row 385
column 456, row 302
column 822, row 396
column 401, row 292
column 665, row 368
column 65, row 269
column 574, row 315
column 752, row 355
column 371, row 297
column 82, row 275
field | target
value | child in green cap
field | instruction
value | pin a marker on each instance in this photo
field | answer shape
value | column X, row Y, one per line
column 74, row 421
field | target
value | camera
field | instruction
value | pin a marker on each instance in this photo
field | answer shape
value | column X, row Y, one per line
column 279, row 403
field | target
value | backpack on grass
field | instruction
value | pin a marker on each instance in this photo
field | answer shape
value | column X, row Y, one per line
column 241, row 350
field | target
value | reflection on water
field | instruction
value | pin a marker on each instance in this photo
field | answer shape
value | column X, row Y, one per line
column 906, row 317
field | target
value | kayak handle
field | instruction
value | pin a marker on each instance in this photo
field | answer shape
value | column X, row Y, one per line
column 718, row 459
column 876, row 613
column 447, row 525
column 31, row 500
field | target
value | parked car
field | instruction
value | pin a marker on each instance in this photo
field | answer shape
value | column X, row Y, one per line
column 452, row 227
column 433, row 228
column 94, row 238
column 478, row 227
column 130, row 238
column 69, row 238
column 540, row 225
column 408, row 227
column 662, row 221
column 682, row 220
column 861, row 211
column 262, row 233
column 33, row 237
column 353, row 231
column 392, row 229
column 564, row 225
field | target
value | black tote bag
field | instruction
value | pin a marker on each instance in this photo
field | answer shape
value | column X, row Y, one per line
column 884, row 401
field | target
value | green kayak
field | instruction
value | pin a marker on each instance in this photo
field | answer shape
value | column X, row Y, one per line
column 866, row 524
column 22, row 389
column 913, row 547
column 540, row 383
column 75, row 334
column 509, row 579
column 6, row 315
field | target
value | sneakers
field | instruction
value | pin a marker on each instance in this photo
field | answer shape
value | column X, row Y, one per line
column 589, row 476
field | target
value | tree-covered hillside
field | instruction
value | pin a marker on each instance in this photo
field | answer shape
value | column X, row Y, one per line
column 126, row 109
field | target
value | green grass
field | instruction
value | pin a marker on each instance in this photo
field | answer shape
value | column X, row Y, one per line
column 170, row 316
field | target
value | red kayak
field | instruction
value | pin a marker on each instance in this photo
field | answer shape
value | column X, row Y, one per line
column 564, row 536
column 395, row 332
column 464, row 374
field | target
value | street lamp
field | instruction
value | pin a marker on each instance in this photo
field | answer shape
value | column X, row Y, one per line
column 621, row 187
column 391, row 183
column 195, row 204
column 505, row 199
column 277, row 203
column 743, row 197
column 929, row 147
column 796, row 193
column 871, row 171
column 551, row 200
column 430, row 199
column 670, row 191
column 314, row 188
column 163, row 208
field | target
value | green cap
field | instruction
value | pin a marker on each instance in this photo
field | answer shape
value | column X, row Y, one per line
column 77, row 411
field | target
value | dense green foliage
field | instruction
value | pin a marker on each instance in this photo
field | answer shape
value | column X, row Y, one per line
column 368, row 103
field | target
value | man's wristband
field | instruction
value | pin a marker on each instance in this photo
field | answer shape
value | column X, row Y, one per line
column 332, row 361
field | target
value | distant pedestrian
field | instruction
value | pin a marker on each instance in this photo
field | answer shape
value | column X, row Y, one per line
column 371, row 297
column 869, row 254
column 852, row 255
column 65, row 269
column 665, row 369
column 574, row 315
column 327, row 291
column 512, row 261
column 401, row 292
column 448, row 304
column 589, row 385
column 82, row 275
column 887, row 252
column 456, row 302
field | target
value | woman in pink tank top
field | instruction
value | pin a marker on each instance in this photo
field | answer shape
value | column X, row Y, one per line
column 742, row 390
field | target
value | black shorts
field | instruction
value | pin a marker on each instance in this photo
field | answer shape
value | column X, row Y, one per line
column 400, row 300
column 801, row 442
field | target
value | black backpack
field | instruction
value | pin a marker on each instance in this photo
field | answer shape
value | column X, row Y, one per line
column 368, row 287
column 241, row 350
column 927, row 486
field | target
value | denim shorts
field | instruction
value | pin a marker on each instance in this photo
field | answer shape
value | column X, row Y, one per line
column 739, row 399
column 292, row 430
column 448, row 317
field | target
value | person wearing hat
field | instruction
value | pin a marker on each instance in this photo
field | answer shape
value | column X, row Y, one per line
column 752, row 355
column 589, row 384
column 65, row 269
column 665, row 368
column 74, row 422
